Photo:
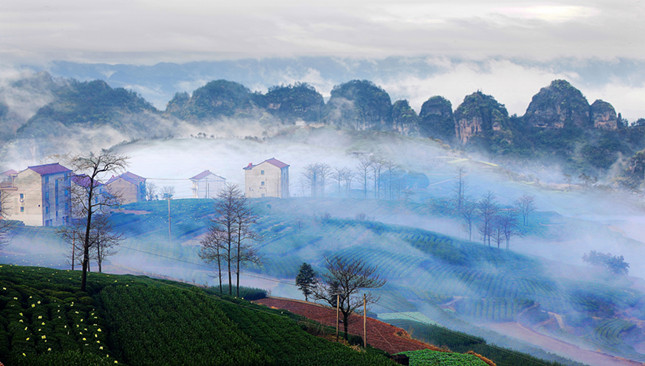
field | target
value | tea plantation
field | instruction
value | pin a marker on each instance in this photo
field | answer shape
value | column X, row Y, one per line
column 45, row 320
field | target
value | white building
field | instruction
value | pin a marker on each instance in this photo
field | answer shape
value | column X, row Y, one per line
column 270, row 178
column 207, row 185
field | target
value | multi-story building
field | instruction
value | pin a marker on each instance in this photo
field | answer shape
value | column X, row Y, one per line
column 39, row 195
column 127, row 188
column 270, row 178
column 80, row 189
column 207, row 184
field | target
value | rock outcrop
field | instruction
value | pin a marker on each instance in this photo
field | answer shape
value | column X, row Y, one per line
column 404, row 118
column 603, row 115
column 559, row 105
column 436, row 119
column 479, row 114
column 359, row 105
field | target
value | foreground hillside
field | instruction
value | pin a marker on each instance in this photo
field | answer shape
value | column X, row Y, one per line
column 139, row 321
column 45, row 320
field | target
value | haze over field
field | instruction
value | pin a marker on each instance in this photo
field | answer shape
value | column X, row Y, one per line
column 61, row 66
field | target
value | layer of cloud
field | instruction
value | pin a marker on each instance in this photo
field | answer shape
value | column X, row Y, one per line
column 146, row 31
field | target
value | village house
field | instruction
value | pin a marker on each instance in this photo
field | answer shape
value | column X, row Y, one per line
column 207, row 185
column 39, row 195
column 270, row 178
column 127, row 188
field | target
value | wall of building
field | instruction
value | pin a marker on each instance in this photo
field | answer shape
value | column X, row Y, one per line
column 26, row 202
column 208, row 187
column 56, row 199
column 125, row 191
column 263, row 180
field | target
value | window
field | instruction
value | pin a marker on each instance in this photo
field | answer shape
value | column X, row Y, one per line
column 262, row 183
column 22, row 209
column 22, row 196
column 46, row 209
column 261, row 172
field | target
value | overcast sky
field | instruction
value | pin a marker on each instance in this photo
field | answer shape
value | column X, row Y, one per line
column 150, row 31
column 36, row 32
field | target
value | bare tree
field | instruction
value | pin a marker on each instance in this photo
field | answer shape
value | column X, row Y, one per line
column 213, row 249
column 364, row 167
column 487, row 209
column 468, row 213
column 151, row 191
column 94, row 166
column 105, row 239
column 73, row 235
column 377, row 166
column 230, row 237
column 525, row 205
column 342, row 282
column 315, row 176
column 390, row 169
column 460, row 188
column 167, row 192
column 244, row 218
column 5, row 225
column 507, row 222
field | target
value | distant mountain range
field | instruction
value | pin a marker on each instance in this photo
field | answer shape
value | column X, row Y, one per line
column 559, row 124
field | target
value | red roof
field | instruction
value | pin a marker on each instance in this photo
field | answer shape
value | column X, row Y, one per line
column 272, row 161
column 49, row 169
column 83, row 180
column 204, row 174
column 130, row 177
column 9, row 172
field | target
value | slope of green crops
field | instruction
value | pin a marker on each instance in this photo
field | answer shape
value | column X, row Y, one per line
column 45, row 320
column 427, row 357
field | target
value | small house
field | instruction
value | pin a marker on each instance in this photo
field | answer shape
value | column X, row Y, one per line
column 127, row 188
column 207, row 184
column 269, row 178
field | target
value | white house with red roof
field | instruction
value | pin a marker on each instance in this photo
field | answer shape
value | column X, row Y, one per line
column 127, row 188
column 207, row 184
column 269, row 178
column 40, row 195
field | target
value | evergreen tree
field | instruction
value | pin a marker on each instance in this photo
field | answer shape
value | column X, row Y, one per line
column 305, row 280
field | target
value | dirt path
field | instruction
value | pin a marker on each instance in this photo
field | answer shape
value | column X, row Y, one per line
column 379, row 334
column 553, row 345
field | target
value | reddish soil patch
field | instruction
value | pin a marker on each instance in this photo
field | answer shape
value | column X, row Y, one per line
column 379, row 334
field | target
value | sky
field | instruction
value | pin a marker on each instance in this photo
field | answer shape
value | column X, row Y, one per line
column 146, row 32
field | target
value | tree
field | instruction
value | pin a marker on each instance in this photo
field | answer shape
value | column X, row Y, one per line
column 487, row 209
column 306, row 280
column 151, row 191
column 230, row 235
column 525, row 205
column 315, row 175
column 213, row 247
column 507, row 225
column 105, row 239
column 613, row 264
column 460, row 188
column 468, row 211
column 364, row 166
column 343, row 280
column 5, row 225
column 94, row 166
column 377, row 165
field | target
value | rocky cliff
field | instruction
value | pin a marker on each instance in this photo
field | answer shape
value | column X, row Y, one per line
column 559, row 105
column 436, row 119
column 359, row 105
column 479, row 114
column 603, row 115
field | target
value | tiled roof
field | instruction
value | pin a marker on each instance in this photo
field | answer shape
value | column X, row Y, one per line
column 84, row 181
column 130, row 177
column 9, row 172
column 272, row 161
column 49, row 169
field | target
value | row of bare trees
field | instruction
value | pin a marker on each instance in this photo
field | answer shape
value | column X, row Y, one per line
column 494, row 222
column 230, row 238
column 375, row 174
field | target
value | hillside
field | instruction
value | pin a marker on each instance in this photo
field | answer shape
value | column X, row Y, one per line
column 140, row 321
